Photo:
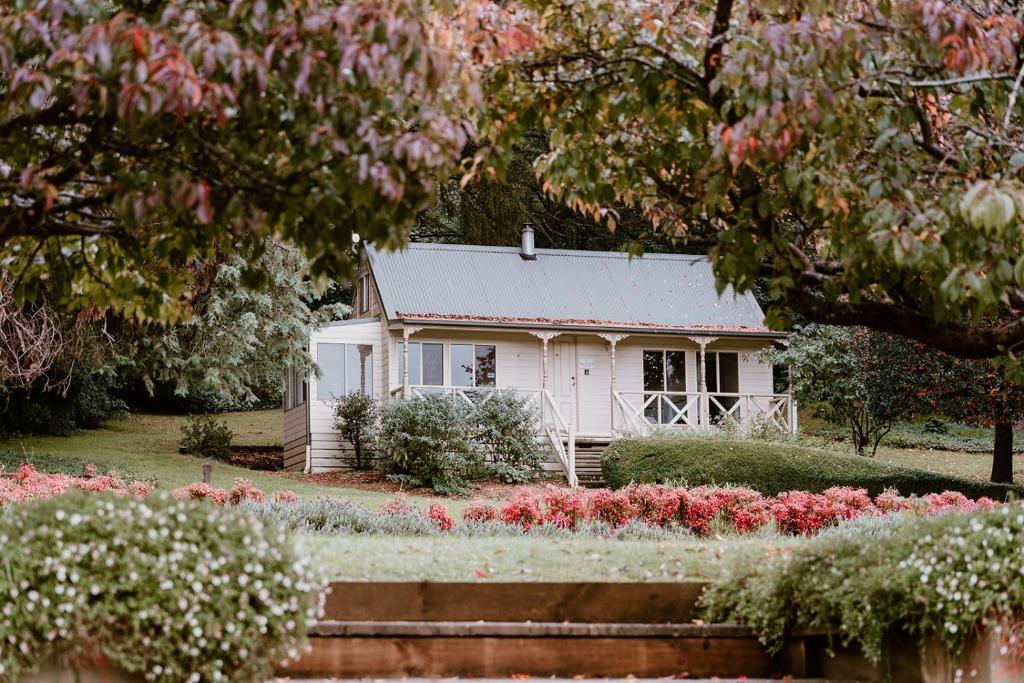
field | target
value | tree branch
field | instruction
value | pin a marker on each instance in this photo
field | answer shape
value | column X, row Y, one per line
column 957, row 340
column 716, row 44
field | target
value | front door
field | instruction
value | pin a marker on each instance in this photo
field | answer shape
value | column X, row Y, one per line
column 563, row 378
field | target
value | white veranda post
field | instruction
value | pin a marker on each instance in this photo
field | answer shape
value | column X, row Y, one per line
column 544, row 337
column 406, row 333
column 704, row 412
column 612, row 340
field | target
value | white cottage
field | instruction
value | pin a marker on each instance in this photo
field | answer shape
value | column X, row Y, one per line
column 604, row 344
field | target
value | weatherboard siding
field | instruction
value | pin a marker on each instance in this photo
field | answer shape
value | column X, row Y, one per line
column 519, row 365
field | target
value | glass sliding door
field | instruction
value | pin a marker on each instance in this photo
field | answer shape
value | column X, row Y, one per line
column 723, row 378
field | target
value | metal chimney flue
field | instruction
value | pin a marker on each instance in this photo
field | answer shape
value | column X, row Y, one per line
column 527, row 250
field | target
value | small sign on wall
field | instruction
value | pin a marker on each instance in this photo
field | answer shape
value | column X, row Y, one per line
column 586, row 364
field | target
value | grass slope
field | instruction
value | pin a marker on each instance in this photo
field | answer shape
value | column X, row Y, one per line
column 772, row 468
column 146, row 447
column 526, row 558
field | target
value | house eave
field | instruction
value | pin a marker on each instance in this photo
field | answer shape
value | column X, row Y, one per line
column 706, row 331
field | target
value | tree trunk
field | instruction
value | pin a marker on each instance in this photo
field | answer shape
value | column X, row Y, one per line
column 1002, row 454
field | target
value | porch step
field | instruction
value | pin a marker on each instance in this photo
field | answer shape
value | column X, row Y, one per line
column 518, row 630
column 588, row 461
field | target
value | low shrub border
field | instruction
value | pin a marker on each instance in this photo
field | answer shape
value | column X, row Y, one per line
column 773, row 468
column 174, row 590
column 637, row 511
column 943, row 578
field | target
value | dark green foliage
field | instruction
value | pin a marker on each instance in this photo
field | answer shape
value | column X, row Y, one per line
column 204, row 435
column 874, row 587
column 88, row 402
column 506, row 424
column 772, row 468
column 355, row 416
column 425, row 441
column 11, row 460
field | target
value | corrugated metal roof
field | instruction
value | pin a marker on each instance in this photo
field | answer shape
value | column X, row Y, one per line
column 569, row 288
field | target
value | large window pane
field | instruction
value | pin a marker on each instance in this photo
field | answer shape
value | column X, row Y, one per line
column 486, row 360
column 654, row 370
column 729, row 372
column 433, row 365
column 331, row 359
column 462, row 365
column 711, row 371
column 675, row 371
column 359, row 368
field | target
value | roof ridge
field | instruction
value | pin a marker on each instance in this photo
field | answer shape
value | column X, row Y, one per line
column 580, row 253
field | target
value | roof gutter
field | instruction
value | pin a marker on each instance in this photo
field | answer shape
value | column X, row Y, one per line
column 486, row 325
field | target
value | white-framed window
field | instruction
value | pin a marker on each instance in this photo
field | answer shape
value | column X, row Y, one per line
column 474, row 365
column 344, row 369
column 426, row 363
column 664, row 371
column 364, row 293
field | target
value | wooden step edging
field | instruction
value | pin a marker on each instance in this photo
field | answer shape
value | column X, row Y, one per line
column 518, row 629
column 569, row 629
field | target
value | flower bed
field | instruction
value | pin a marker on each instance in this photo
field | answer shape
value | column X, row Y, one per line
column 642, row 511
column 27, row 483
column 174, row 590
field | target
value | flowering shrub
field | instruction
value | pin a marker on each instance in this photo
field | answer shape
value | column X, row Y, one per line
column 655, row 505
column 397, row 506
column 522, row 510
column 183, row 590
column 799, row 512
column 610, row 507
column 480, row 511
column 745, row 509
column 439, row 516
column 244, row 490
column 286, row 497
column 27, row 484
column 201, row 491
column 565, row 508
column 942, row 576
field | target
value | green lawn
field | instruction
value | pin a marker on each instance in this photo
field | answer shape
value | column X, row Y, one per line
column 968, row 465
column 147, row 446
column 526, row 558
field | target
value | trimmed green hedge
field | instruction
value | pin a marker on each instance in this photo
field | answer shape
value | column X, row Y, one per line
column 772, row 468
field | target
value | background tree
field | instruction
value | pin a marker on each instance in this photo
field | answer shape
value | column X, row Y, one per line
column 865, row 158
column 239, row 339
column 138, row 137
column 355, row 417
column 977, row 392
column 847, row 375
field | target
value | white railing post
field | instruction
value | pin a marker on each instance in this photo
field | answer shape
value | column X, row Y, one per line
column 573, row 480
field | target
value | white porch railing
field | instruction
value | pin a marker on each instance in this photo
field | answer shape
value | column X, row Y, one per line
column 644, row 412
column 551, row 423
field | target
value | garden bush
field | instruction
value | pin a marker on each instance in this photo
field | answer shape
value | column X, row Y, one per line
column 87, row 403
column 940, row 577
column 170, row 589
column 506, row 425
column 355, row 417
column 204, row 435
column 773, row 468
column 426, row 441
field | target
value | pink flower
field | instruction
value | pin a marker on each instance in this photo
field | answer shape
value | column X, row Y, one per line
column 480, row 510
column 565, row 508
column 439, row 516
column 286, row 497
column 522, row 510
column 244, row 490
column 201, row 490
column 611, row 507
